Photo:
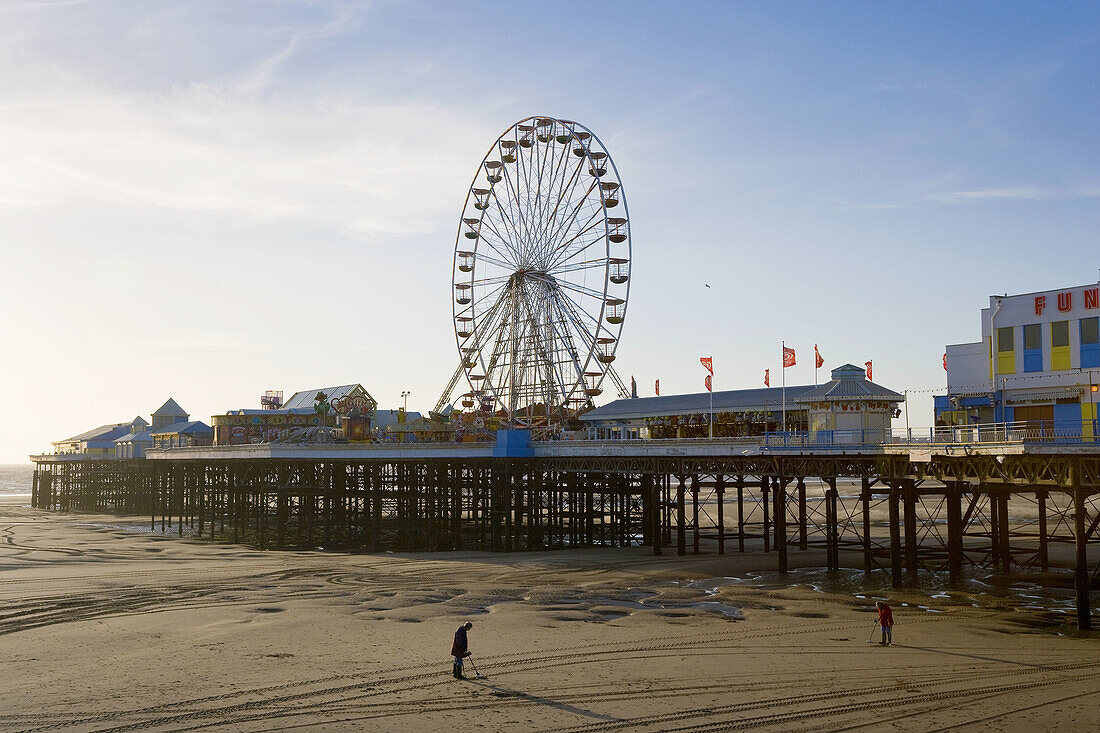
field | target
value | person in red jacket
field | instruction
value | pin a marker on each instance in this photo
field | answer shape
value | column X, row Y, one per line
column 460, row 649
column 886, row 621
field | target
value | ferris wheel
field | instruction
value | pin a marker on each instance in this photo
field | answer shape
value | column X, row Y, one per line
column 541, row 273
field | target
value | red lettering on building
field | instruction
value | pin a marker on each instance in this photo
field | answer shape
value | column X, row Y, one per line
column 1092, row 299
column 1065, row 301
column 1040, row 303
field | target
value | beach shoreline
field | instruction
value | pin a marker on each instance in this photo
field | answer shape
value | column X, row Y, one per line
column 190, row 631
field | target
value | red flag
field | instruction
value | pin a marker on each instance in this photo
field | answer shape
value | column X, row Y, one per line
column 657, row 387
column 766, row 382
column 818, row 361
column 706, row 381
column 868, row 365
column 788, row 357
column 945, row 362
column 707, row 362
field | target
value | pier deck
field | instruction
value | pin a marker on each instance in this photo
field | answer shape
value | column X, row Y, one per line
column 905, row 509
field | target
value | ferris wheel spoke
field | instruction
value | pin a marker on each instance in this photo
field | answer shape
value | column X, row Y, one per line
column 495, row 262
column 509, row 223
column 513, row 189
column 575, row 288
column 491, row 280
column 504, row 240
column 553, row 194
column 551, row 219
column 568, row 347
column 565, row 211
column 566, row 224
column 479, row 331
column 567, row 262
column 568, row 252
column 583, row 315
column 510, row 206
column 585, row 265
column 569, row 326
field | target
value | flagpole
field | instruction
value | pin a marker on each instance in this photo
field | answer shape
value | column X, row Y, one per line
column 783, row 357
column 711, row 390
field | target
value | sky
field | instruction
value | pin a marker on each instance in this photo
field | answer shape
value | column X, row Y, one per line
column 205, row 200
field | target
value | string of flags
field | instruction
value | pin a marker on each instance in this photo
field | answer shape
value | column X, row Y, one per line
column 790, row 359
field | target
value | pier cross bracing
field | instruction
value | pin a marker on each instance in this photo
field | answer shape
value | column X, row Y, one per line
column 907, row 511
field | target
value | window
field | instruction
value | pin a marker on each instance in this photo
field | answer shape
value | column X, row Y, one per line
column 1033, row 348
column 1089, row 331
column 1033, row 336
column 1004, row 339
column 1059, row 345
column 1090, row 343
column 1059, row 334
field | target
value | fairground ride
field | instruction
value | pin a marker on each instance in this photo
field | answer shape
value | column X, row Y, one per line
column 541, row 276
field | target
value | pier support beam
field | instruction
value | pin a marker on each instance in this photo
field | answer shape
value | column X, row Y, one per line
column 740, row 513
column 720, row 493
column 1041, row 501
column 1006, row 537
column 912, row 562
column 802, row 541
column 895, row 536
column 954, row 534
column 764, row 497
column 651, row 487
column 832, row 529
column 695, row 514
column 781, row 522
column 1081, row 570
column 865, row 499
column 681, row 519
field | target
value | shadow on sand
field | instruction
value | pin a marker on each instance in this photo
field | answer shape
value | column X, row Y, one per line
column 501, row 691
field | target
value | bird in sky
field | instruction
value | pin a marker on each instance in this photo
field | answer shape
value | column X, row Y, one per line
column 708, row 285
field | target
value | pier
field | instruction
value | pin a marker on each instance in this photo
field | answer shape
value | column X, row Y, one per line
column 1012, row 508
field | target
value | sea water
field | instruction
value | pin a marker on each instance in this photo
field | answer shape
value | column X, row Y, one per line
column 15, row 479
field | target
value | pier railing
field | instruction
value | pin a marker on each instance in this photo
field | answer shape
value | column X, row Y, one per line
column 1049, row 432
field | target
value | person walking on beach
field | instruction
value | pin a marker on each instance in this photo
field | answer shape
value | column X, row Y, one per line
column 886, row 621
column 460, row 649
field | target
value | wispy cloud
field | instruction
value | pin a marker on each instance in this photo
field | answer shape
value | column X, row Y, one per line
column 1016, row 193
column 362, row 168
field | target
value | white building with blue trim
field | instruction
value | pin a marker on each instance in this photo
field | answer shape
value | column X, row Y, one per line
column 1038, row 362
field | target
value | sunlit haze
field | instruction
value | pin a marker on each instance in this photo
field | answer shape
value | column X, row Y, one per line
column 204, row 200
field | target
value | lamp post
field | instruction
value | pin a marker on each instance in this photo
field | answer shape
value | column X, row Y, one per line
column 908, row 435
column 405, row 402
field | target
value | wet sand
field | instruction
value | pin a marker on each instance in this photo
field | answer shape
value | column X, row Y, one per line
column 108, row 627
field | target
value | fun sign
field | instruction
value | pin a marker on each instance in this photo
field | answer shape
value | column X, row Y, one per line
column 1064, row 301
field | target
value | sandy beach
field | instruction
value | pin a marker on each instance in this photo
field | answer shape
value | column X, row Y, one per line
column 107, row 627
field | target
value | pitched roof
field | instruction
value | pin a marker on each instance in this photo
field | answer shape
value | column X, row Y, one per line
column 139, row 420
column 170, row 409
column 194, row 426
column 849, row 382
column 103, row 432
column 142, row 437
column 305, row 398
column 767, row 398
